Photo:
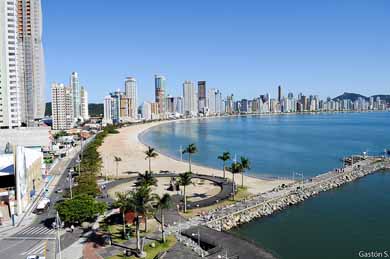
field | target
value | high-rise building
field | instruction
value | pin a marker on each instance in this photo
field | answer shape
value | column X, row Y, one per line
column 146, row 109
column 30, row 59
column 84, row 104
column 10, row 99
column 76, row 89
column 190, row 100
column 126, row 111
column 202, row 101
column 229, row 107
column 279, row 93
column 131, row 92
column 107, row 119
column 159, row 86
column 22, row 73
column 62, row 107
column 214, row 102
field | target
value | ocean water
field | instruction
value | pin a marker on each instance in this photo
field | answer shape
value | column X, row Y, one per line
column 336, row 224
column 277, row 145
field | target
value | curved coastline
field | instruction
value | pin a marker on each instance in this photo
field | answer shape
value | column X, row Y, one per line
column 128, row 145
column 260, row 176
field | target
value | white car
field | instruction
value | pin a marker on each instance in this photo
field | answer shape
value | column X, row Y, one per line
column 35, row 257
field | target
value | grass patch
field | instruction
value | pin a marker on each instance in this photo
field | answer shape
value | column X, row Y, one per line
column 242, row 193
column 116, row 231
column 151, row 252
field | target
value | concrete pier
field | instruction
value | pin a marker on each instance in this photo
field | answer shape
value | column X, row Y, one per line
column 267, row 203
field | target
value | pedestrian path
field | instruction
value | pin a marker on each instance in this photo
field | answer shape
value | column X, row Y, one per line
column 36, row 249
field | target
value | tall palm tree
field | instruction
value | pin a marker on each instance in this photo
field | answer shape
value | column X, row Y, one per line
column 141, row 202
column 235, row 168
column 163, row 203
column 150, row 153
column 246, row 165
column 122, row 202
column 185, row 179
column 147, row 179
column 117, row 159
column 191, row 149
column 224, row 157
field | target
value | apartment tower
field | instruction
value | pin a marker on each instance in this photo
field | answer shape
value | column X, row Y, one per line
column 30, row 59
column 131, row 92
column 10, row 105
column 62, row 107
column 159, row 86
column 202, row 102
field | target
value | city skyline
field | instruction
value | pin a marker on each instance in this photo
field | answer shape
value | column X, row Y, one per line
column 343, row 53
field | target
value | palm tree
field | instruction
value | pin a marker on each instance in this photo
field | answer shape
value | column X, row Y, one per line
column 163, row 203
column 191, row 149
column 147, row 179
column 245, row 165
column 150, row 153
column 224, row 157
column 235, row 168
column 117, row 159
column 122, row 202
column 141, row 202
column 185, row 179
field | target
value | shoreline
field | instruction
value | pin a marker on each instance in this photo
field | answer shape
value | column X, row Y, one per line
column 127, row 145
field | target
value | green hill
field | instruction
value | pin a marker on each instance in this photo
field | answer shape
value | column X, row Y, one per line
column 95, row 109
column 351, row 96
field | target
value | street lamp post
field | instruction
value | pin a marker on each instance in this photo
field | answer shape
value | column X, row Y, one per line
column 181, row 153
column 198, row 235
column 70, row 184
column 58, row 235
column 301, row 175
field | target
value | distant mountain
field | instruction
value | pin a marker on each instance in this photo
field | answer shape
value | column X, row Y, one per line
column 95, row 109
column 351, row 96
column 385, row 97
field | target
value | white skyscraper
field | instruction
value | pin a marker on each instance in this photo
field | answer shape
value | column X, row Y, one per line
column 62, row 107
column 10, row 93
column 30, row 59
column 84, row 104
column 190, row 100
column 76, row 90
column 131, row 92
column 214, row 101
column 107, row 119
column 146, row 111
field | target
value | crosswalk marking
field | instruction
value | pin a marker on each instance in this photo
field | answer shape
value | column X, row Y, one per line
column 34, row 232
column 38, row 249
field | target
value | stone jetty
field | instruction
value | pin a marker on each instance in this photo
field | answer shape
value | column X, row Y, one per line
column 267, row 203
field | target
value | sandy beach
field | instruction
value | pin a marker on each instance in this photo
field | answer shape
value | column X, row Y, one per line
column 127, row 146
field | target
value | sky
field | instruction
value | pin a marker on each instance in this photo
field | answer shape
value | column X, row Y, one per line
column 242, row 47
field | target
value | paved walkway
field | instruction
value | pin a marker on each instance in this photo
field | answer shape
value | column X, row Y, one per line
column 222, row 243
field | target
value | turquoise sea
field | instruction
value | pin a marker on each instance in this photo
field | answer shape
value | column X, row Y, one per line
column 336, row 224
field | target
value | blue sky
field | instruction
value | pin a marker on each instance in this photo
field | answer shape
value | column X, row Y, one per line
column 242, row 47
